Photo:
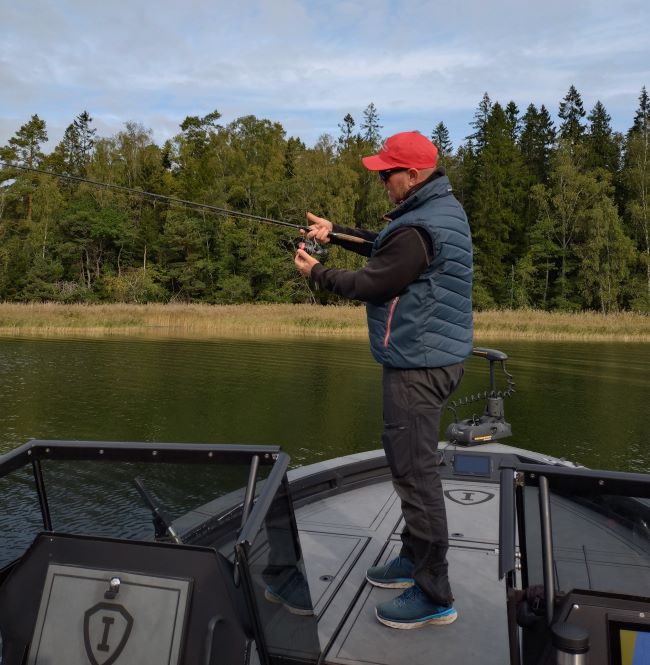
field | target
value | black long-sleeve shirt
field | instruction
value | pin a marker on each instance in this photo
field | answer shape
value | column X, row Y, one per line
column 402, row 257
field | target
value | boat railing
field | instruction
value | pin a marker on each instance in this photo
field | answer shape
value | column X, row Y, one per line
column 117, row 489
column 233, row 499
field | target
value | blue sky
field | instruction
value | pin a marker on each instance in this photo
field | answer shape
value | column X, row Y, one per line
column 307, row 63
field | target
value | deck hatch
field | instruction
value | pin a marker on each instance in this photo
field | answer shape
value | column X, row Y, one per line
column 76, row 621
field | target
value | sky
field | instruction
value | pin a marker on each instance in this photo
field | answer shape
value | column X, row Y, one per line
column 307, row 63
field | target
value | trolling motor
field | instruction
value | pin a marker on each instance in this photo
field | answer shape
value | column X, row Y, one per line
column 492, row 425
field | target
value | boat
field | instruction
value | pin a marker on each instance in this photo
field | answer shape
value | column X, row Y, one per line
column 210, row 554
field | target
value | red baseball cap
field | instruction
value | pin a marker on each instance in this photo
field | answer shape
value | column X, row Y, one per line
column 410, row 150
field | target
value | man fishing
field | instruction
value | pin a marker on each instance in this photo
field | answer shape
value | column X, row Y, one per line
column 417, row 286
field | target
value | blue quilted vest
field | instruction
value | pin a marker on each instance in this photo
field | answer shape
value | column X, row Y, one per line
column 429, row 324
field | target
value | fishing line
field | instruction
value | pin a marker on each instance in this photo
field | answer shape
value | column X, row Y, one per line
column 311, row 244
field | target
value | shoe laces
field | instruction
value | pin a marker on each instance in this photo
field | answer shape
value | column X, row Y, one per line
column 397, row 561
column 410, row 594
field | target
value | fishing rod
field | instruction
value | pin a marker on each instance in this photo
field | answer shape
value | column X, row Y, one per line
column 310, row 245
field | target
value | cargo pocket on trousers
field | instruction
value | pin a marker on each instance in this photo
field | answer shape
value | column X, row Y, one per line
column 396, row 442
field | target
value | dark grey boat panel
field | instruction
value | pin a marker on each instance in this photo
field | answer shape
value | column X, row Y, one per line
column 340, row 537
column 478, row 636
column 344, row 534
column 360, row 510
column 592, row 551
column 329, row 558
column 472, row 512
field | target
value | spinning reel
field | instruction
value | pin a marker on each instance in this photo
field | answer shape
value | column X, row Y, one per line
column 313, row 248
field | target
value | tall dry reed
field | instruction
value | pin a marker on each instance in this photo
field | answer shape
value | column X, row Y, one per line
column 177, row 320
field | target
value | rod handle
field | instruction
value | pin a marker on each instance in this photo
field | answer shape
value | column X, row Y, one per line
column 349, row 238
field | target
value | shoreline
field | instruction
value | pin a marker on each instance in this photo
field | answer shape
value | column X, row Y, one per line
column 200, row 321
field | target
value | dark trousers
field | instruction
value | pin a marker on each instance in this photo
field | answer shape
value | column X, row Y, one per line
column 413, row 401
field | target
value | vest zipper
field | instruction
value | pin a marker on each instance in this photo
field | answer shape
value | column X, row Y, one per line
column 391, row 311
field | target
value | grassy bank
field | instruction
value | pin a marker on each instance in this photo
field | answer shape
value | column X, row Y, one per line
column 282, row 320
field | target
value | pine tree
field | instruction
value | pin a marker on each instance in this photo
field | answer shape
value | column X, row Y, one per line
column 74, row 151
column 513, row 121
column 86, row 137
column 571, row 113
column 536, row 141
column 25, row 149
column 642, row 115
column 479, row 123
column 347, row 137
column 66, row 155
column 636, row 179
column 370, row 127
column 440, row 137
column 292, row 153
column 603, row 147
column 497, row 203
column 198, row 167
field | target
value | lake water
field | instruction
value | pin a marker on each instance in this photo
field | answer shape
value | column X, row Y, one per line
column 318, row 399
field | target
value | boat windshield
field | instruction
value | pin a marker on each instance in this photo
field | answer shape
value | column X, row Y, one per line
column 600, row 528
column 128, row 499
column 232, row 499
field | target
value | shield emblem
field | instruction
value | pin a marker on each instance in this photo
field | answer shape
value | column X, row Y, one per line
column 107, row 627
column 468, row 497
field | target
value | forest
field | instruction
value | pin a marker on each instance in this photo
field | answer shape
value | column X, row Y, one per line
column 559, row 211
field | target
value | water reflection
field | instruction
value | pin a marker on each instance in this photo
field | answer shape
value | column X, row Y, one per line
column 316, row 398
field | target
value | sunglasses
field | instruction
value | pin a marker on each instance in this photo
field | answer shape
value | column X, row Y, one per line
column 384, row 175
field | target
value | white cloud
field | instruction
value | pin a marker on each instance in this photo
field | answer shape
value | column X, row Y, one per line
column 306, row 63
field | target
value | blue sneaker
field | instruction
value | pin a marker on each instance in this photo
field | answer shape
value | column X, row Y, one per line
column 396, row 574
column 413, row 609
column 293, row 594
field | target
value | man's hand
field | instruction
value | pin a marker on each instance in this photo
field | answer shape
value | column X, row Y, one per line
column 304, row 262
column 320, row 228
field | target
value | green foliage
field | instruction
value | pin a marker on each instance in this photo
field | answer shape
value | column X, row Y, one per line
column 635, row 179
column 481, row 117
column 559, row 220
column 602, row 144
column 536, row 142
column 496, row 201
column 605, row 255
column 370, row 128
column 571, row 113
column 440, row 138
column 25, row 147
column 134, row 285
column 347, row 137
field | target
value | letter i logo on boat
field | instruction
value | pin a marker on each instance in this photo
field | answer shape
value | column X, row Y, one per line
column 468, row 497
column 107, row 627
